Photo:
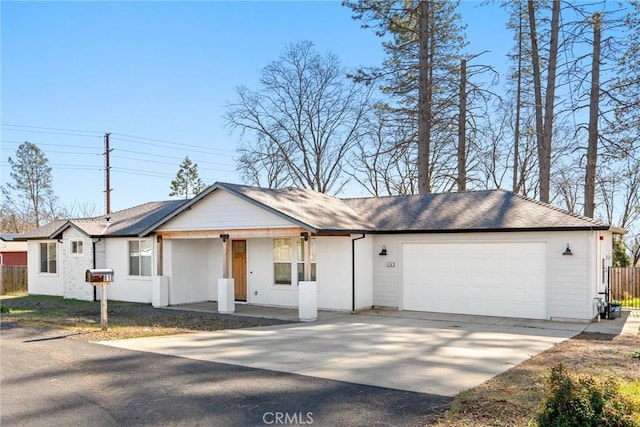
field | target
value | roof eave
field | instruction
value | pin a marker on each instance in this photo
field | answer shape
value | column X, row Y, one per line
column 488, row 230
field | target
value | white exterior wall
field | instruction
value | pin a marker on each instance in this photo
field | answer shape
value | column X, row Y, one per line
column 571, row 281
column 125, row 287
column 333, row 270
column 364, row 271
column 74, row 266
column 333, row 257
column 221, row 210
column 43, row 283
column 195, row 267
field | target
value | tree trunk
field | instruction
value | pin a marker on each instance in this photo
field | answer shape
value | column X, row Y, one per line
column 544, row 153
column 537, row 88
column 592, row 150
column 516, row 131
column 425, row 95
column 462, row 129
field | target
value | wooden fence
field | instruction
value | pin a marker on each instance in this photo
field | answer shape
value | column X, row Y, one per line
column 625, row 286
column 13, row 279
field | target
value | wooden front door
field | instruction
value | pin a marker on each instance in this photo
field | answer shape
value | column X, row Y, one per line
column 239, row 268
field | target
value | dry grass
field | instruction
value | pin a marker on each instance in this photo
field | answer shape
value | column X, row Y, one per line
column 125, row 320
column 513, row 398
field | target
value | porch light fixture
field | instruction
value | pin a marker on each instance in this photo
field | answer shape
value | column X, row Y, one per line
column 567, row 251
column 224, row 237
column 383, row 251
column 304, row 235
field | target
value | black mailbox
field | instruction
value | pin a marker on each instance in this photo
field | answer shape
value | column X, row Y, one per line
column 98, row 275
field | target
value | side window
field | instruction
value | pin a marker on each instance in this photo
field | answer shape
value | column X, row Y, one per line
column 77, row 247
column 49, row 257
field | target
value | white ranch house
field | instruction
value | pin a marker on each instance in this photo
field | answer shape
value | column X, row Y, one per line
column 484, row 253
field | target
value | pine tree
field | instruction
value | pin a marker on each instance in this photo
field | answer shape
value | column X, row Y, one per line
column 187, row 183
column 424, row 41
column 32, row 180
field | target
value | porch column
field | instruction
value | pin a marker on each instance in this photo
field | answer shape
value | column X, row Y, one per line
column 226, row 286
column 307, row 290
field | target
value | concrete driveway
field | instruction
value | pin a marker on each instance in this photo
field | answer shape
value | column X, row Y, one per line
column 426, row 353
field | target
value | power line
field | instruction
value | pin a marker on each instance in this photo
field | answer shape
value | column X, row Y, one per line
column 50, row 128
column 15, row 142
column 181, row 147
column 181, row 144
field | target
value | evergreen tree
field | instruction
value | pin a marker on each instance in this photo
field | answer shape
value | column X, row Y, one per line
column 620, row 257
column 424, row 42
column 187, row 183
column 31, row 173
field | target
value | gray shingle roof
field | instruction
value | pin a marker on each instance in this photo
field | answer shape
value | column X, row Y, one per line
column 127, row 222
column 489, row 210
column 308, row 208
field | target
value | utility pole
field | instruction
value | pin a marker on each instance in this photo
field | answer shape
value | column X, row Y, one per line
column 107, row 175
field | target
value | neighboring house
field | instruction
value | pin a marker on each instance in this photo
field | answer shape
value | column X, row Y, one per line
column 484, row 252
column 12, row 253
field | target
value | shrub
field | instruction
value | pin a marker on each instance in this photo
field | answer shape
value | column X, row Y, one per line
column 584, row 402
column 4, row 309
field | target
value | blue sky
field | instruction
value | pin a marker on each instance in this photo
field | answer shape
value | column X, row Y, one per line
column 158, row 75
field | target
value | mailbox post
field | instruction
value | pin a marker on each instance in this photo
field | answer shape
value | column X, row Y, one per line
column 100, row 277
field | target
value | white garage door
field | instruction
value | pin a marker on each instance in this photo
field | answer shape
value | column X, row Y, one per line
column 485, row 278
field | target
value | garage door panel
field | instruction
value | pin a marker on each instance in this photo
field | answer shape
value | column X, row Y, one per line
column 485, row 278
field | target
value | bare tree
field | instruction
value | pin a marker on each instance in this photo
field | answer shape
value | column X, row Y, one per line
column 302, row 123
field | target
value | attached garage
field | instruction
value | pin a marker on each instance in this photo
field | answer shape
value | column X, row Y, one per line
column 484, row 278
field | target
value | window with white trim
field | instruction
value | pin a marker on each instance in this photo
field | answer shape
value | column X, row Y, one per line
column 140, row 257
column 49, row 257
column 76, row 247
column 286, row 260
column 300, row 259
column 282, row 261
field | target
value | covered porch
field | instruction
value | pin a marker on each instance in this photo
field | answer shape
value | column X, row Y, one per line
column 232, row 269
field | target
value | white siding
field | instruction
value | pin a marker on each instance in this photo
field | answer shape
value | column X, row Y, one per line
column 192, row 264
column 221, row 210
column 43, row 283
column 364, row 271
column 571, row 279
column 334, row 272
column 386, row 271
column 124, row 286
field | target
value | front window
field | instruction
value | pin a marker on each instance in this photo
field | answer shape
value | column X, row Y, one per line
column 286, row 259
column 140, row 257
column 77, row 247
column 282, row 261
column 48, row 257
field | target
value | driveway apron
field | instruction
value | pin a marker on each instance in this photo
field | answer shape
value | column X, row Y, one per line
column 426, row 356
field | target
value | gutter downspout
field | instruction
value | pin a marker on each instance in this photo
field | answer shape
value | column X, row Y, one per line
column 353, row 271
column 93, row 245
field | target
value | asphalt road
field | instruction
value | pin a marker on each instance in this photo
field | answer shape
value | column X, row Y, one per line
column 47, row 379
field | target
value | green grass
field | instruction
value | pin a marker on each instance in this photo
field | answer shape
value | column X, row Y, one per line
column 628, row 302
